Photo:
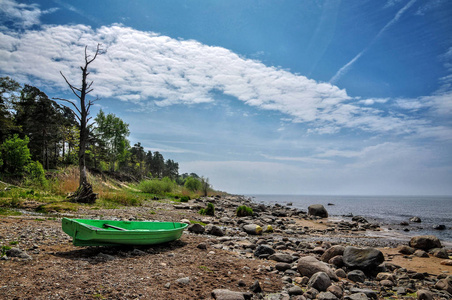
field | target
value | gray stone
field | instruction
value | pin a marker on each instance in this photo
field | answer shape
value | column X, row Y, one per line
column 425, row 242
column 332, row 252
column 369, row 293
column 406, row 250
column 183, row 281
column 224, row 294
column 337, row 261
column 420, row 253
column 340, row 273
column 263, row 250
column 439, row 252
column 295, row 290
column 320, row 281
column 282, row 266
column 252, row 229
column 357, row 296
column 256, row 287
column 202, row 246
column 104, row 257
column 415, row 219
column 445, row 284
column 362, row 258
column 196, row 228
column 214, row 230
column 309, row 265
column 356, row 276
column 424, row 295
column 16, row 252
column 327, row 296
column 317, row 210
column 281, row 257
column 336, row 290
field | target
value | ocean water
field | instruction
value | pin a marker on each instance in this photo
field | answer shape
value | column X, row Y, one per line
column 388, row 211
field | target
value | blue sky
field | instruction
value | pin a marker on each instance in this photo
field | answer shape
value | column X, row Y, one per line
column 262, row 97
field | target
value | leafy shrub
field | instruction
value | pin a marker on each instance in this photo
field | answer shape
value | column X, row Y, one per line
column 36, row 174
column 244, row 211
column 15, row 155
column 209, row 210
column 184, row 198
column 193, row 184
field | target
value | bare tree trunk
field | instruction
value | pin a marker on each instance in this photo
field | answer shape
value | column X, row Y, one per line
column 84, row 193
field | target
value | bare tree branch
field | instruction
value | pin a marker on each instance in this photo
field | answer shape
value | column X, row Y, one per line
column 71, row 102
column 73, row 88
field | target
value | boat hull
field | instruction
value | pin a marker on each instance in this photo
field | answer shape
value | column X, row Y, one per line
column 94, row 233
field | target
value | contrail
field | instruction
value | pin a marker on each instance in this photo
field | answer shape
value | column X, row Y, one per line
column 347, row 66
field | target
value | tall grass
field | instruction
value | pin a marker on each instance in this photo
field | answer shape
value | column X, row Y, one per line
column 156, row 186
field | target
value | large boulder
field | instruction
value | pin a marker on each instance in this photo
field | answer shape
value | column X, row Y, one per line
column 281, row 257
column 309, row 265
column 196, row 228
column 362, row 258
column 317, row 210
column 224, row 294
column 425, row 242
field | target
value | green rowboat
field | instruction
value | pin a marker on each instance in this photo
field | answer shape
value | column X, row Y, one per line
column 116, row 233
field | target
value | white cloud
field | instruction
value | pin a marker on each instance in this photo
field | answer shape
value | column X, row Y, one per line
column 154, row 71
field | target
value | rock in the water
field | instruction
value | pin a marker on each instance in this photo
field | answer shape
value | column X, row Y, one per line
column 332, row 252
column 317, row 210
column 439, row 227
column 320, row 281
column 263, row 250
column 415, row 220
column 252, row 229
column 362, row 258
column 425, row 242
column 196, row 228
column 214, row 230
column 356, row 276
column 309, row 265
column 223, row 294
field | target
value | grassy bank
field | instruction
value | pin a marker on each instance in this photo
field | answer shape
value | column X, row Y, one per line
column 51, row 195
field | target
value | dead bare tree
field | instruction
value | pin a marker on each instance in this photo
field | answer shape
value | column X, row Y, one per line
column 84, row 194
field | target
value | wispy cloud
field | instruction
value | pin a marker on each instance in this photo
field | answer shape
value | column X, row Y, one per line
column 21, row 14
column 342, row 71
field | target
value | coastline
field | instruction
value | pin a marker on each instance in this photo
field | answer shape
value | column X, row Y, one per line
column 200, row 263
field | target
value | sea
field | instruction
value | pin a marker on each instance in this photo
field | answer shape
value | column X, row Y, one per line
column 388, row 211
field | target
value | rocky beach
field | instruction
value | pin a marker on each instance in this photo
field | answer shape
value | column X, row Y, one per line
column 279, row 252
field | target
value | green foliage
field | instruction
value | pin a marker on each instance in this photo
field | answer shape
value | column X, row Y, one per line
column 192, row 184
column 184, row 198
column 15, row 155
column 158, row 187
column 209, row 210
column 36, row 174
column 197, row 222
column 244, row 211
column 4, row 249
column 9, row 212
